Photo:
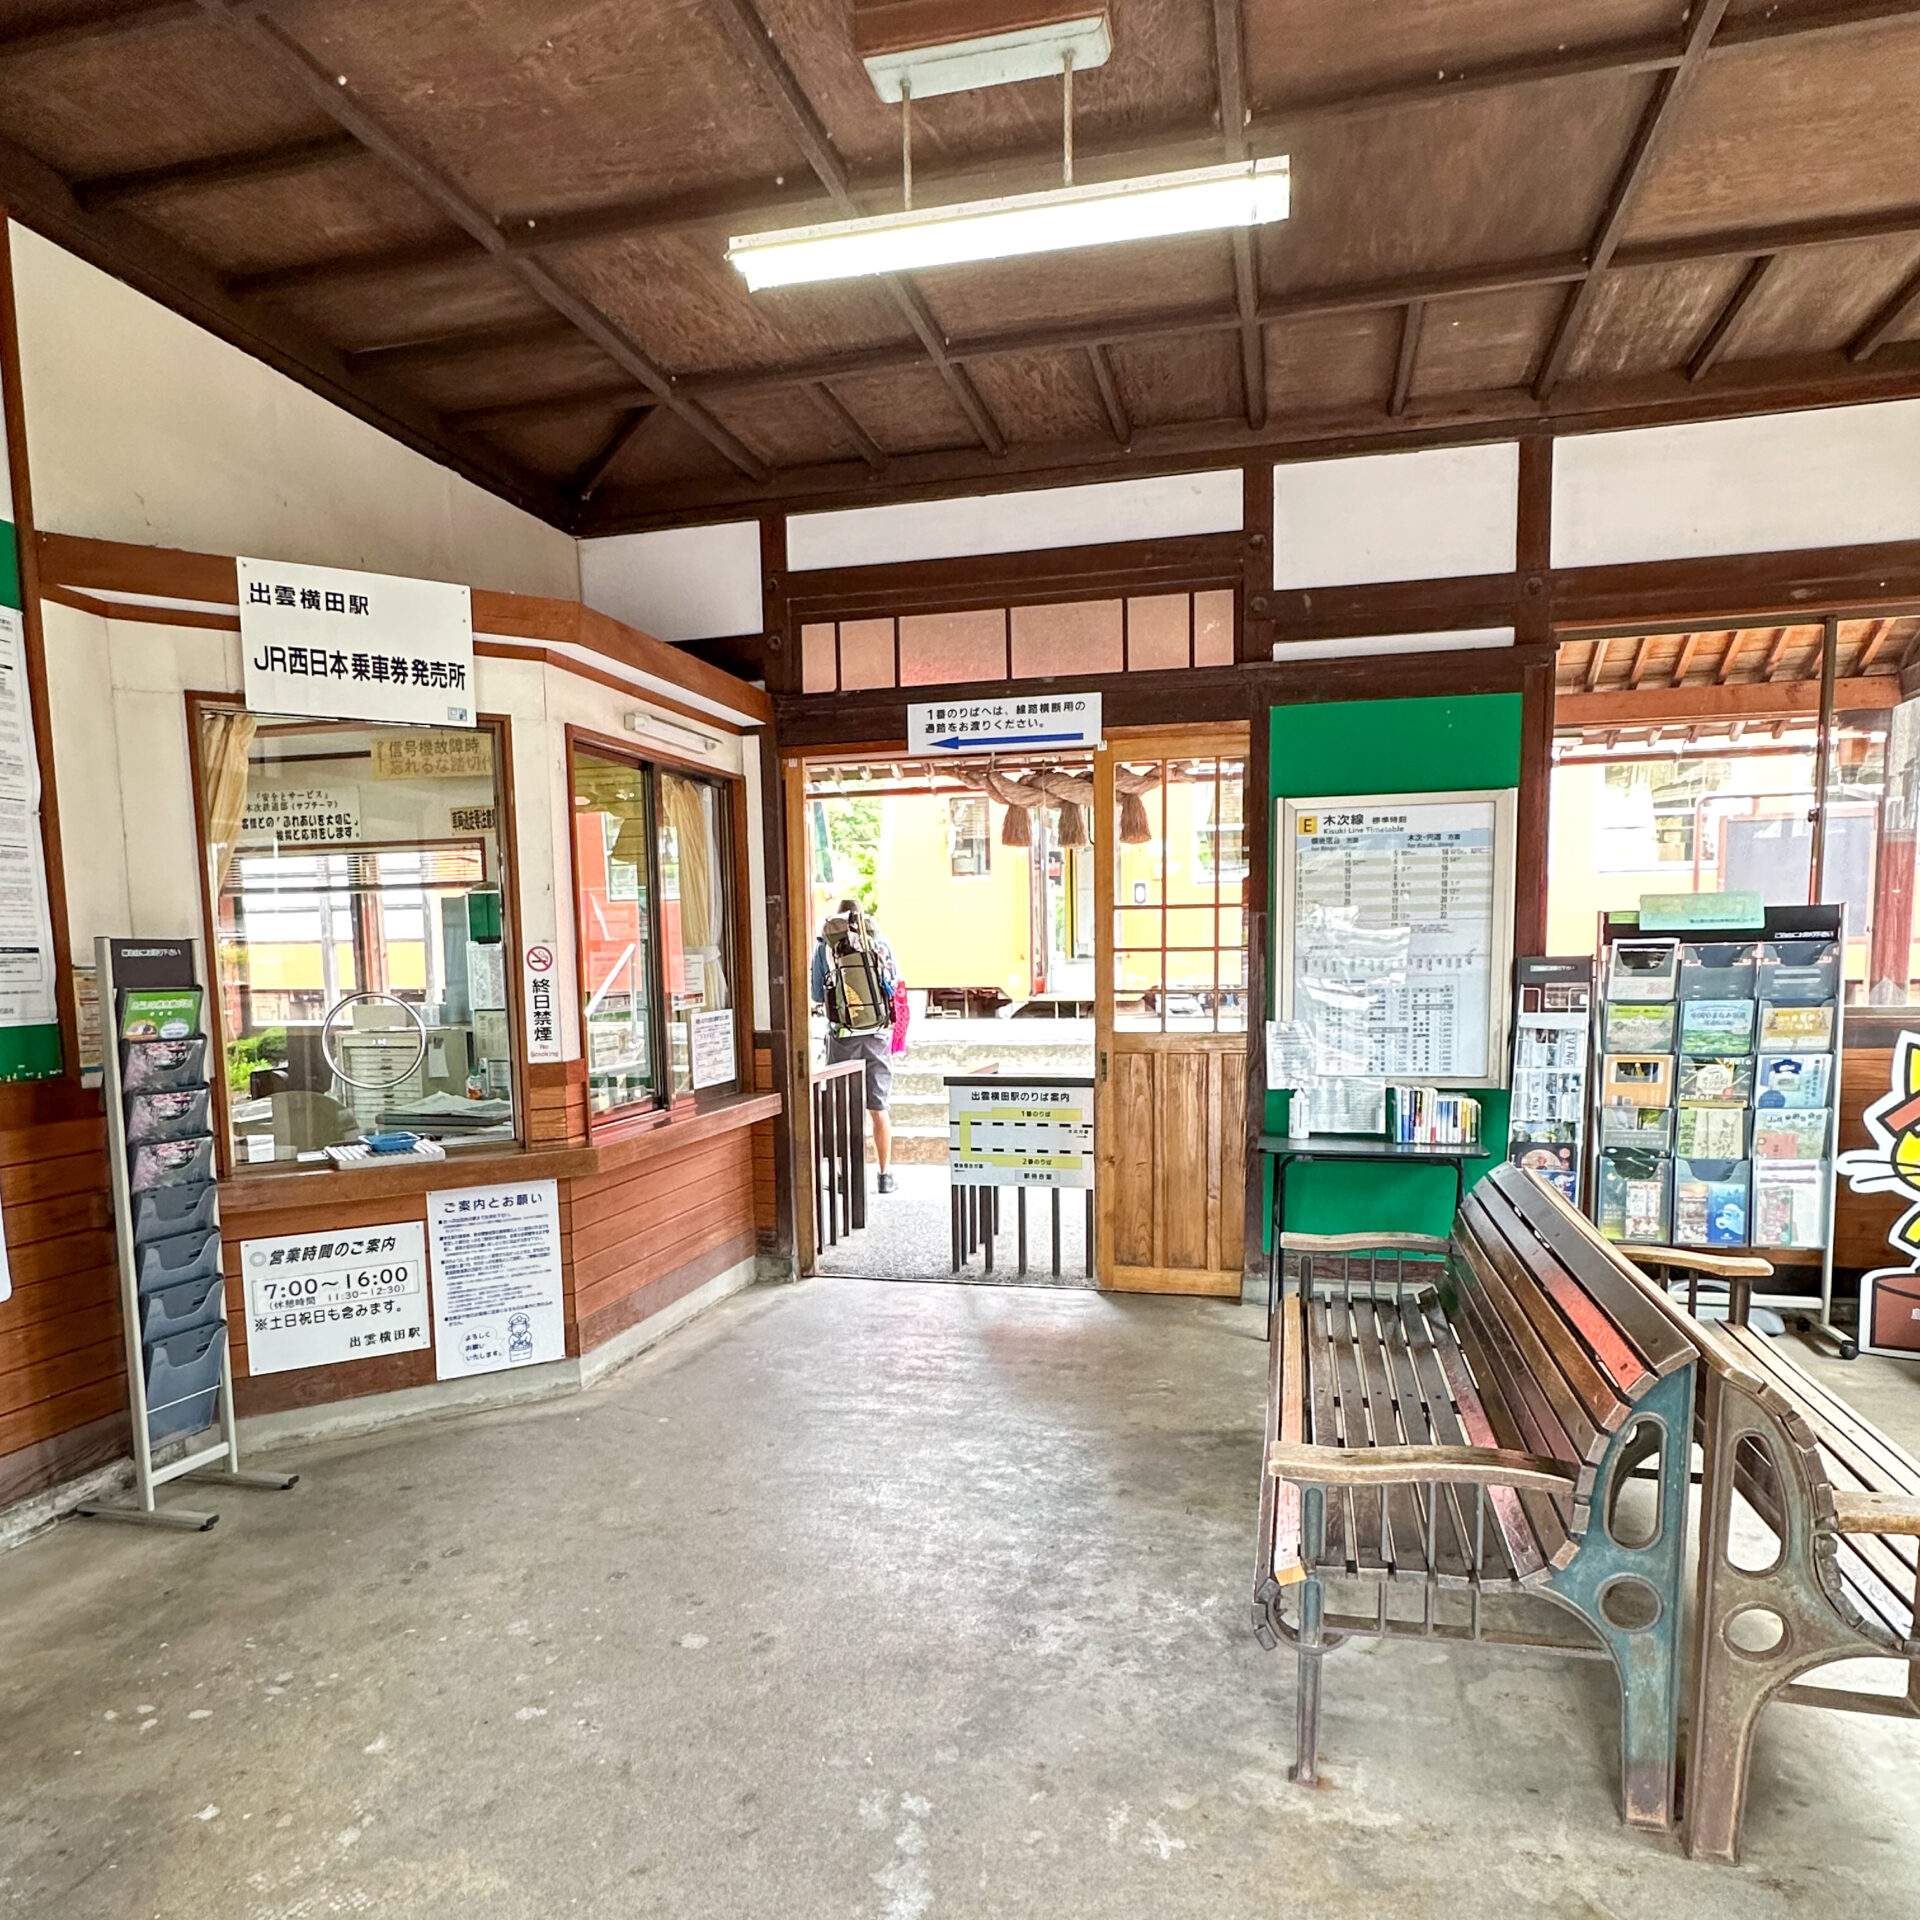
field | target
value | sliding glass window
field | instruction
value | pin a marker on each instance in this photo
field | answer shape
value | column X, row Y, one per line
column 653, row 878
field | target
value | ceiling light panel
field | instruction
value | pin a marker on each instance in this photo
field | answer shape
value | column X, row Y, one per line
column 991, row 59
column 1199, row 200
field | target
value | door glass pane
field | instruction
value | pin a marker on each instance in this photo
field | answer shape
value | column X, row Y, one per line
column 612, row 876
column 695, row 943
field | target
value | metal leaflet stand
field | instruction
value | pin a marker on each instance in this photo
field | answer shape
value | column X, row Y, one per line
column 220, row 1462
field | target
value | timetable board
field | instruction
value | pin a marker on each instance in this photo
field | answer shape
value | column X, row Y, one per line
column 1397, row 932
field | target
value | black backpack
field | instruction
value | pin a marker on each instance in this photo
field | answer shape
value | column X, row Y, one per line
column 859, row 998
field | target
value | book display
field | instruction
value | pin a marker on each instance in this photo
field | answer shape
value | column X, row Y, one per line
column 167, row 1226
column 1547, row 1116
column 1715, row 1086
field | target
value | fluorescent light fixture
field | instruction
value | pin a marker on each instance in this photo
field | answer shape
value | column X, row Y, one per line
column 991, row 59
column 669, row 735
column 1200, row 200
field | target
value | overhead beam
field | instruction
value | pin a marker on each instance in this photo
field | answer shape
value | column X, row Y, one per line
column 1655, row 126
column 1111, row 398
column 587, row 481
column 102, row 23
column 1677, row 706
column 1230, row 84
column 546, row 406
column 158, row 267
column 843, row 418
column 1412, row 322
column 1901, row 308
column 1729, row 655
column 462, row 343
column 1689, row 646
column 1597, row 663
column 1876, row 638
column 753, row 40
column 1726, row 323
column 257, row 25
column 216, row 170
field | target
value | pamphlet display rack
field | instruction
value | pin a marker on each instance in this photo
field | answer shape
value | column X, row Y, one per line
column 1716, row 1071
column 156, row 1061
column 1547, row 1120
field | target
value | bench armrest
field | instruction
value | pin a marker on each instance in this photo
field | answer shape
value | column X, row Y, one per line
column 1877, row 1512
column 1391, row 1466
column 1717, row 1266
column 1362, row 1243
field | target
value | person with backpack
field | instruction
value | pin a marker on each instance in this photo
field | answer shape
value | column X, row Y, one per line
column 857, row 983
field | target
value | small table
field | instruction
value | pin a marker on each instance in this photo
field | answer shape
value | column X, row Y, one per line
column 1361, row 1149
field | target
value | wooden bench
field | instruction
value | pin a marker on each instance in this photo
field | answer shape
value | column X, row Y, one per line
column 1463, row 1430
column 1838, row 1579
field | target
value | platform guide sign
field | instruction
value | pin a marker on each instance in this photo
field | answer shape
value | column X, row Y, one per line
column 950, row 728
column 1014, row 1134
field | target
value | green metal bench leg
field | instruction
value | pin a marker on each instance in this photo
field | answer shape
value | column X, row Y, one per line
column 1306, row 1765
column 1631, row 1597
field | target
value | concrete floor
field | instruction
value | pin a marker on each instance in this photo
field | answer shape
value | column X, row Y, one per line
column 850, row 1600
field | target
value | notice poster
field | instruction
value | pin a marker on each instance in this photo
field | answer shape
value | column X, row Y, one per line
column 1398, row 926
column 316, row 1299
column 496, row 1278
column 710, row 1038
column 1015, row 1135
column 302, row 816
column 26, row 927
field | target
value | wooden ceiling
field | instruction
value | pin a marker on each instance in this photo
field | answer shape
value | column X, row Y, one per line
column 497, row 228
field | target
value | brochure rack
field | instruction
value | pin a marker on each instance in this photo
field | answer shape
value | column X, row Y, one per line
column 156, row 1063
column 1552, row 1013
column 1716, row 1084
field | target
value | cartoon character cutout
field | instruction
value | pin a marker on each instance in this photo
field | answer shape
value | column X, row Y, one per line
column 1892, row 1163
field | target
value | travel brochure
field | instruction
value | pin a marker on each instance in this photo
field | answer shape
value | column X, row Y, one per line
column 1640, row 1029
column 1795, row 1028
column 152, row 1013
column 1792, row 1080
column 1716, row 1027
column 1716, row 1083
column 1711, row 1133
column 1709, row 1211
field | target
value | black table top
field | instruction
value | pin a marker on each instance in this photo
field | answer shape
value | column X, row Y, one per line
column 1352, row 1146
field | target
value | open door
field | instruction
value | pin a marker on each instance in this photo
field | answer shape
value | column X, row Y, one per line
column 1171, row 1008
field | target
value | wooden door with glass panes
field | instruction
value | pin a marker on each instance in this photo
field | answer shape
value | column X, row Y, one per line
column 1170, row 1069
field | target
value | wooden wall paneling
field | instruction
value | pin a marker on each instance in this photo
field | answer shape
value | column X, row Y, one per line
column 1257, row 815
column 1532, row 841
column 1862, row 1221
column 1131, row 1163
column 791, row 937
column 1188, row 1145
column 1254, row 633
column 1227, row 1204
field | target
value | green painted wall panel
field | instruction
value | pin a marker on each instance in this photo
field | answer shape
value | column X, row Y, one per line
column 9, row 566
column 1389, row 746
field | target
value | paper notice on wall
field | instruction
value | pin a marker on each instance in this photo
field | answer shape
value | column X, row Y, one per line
column 320, row 1299
column 26, row 928
column 710, row 1039
column 497, row 1299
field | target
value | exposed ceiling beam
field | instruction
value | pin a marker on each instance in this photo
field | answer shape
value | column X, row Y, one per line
column 553, row 406
column 752, row 39
column 1111, row 397
column 1780, row 638
column 844, row 419
column 101, row 23
column 1728, row 656
column 619, row 442
column 1230, row 84
column 258, row 27
column 1676, row 706
column 462, row 343
column 1412, row 321
column 1689, row 646
column 1726, row 323
column 1638, row 670
column 216, row 170
column 158, row 267
column 1870, row 645
column 1901, row 308
column 1596, row 663
column 1649, row 136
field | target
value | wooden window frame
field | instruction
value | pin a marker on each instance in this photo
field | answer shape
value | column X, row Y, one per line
column 507, row 834
column 665, row 1104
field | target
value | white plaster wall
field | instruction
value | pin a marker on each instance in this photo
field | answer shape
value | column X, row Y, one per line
column 1157, row 509
column 145, row 428
column 1835, row 477
column 124, row 780
column 1439, row 513
column 680, row 583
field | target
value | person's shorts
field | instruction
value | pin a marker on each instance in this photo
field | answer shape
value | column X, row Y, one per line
column 876, row 1049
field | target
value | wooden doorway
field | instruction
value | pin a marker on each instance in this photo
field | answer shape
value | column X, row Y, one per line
column 1172, row 1006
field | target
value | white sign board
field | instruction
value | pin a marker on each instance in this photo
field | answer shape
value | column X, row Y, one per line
column 1019, row 1134
column 1012, row 720
column 543, row 1010
column 496, row 1278
column 302, row 816
column 316, row 1299
column 345, row 645
column 26, row 924
column 1398, row 934
column 710, row 1037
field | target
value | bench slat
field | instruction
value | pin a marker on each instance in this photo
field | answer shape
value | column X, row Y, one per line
column 1448, row 1424
column 1617, row 1358
column 1291, row 1391
column 1447, row 1548
column 1655, row 1333
column 1403, row 1525
column 1511, row 1548
column 1339, row 1548
column 1569, row 1375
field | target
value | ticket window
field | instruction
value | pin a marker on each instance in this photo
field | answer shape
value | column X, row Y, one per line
column 359, row 950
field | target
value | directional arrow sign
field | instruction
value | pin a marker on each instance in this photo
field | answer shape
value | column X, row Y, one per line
column 1005, row 722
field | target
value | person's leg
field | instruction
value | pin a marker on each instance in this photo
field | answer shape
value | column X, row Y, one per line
column 879, row 1094
column 882, row 1137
